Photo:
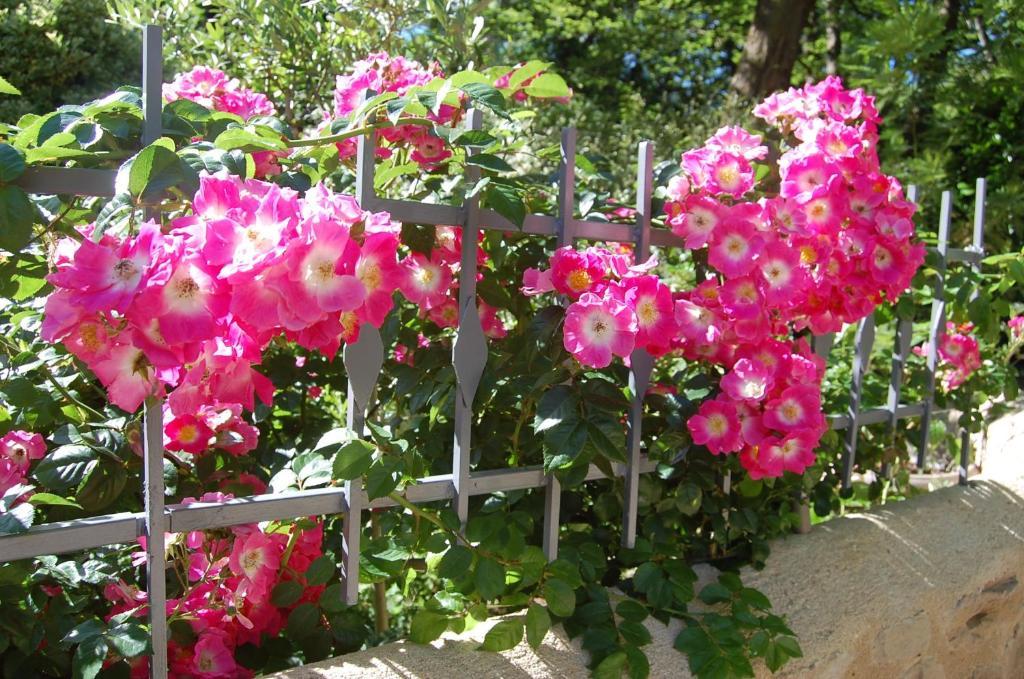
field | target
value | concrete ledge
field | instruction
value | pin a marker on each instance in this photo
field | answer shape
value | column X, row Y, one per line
column 929, row 588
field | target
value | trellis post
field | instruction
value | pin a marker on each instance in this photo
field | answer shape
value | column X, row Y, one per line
column 363, row 362
column 565, row 232
column 936, row 325
column 978, row 248
column 469, row 351
column 641, row 362
column 153, row 430
column 864, row 340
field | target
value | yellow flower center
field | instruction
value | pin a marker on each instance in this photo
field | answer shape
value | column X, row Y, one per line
column 324, row 271
column 90, row 334
column 371, row 276
column 579, row 280
column 647, row 312
column 425, row 276
column 717, row 424
column 188, row 434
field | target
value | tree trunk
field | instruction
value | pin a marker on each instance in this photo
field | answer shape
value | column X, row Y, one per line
column 772, row 47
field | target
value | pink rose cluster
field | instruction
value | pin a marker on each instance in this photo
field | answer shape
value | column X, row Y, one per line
column 833, row 242
column 229, row 576
column 615, row 307
column 960, row 352
column 213, row 89
column 380, row 73
column 192, row 310
column 768, row 410
column 17, row 451
column 430, row 283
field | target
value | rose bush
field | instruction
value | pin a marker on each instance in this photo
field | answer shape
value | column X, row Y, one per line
column 233, row 307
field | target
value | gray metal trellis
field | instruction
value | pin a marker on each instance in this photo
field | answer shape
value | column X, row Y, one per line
column 364, row 361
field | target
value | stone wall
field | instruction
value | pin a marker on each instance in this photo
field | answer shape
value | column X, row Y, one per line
column 930, row 588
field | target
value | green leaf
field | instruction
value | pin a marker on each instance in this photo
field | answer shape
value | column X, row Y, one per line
column 749, row 487
column 247, row 140
column 639, row 665
column 560, row 596
column 455, row 563
column 89, row 657
column 320, row 571
column 385, row 173
column 353, row 460
column 486, row 96
column 489, row 162
column 755, row 599
column 632, row 611
column 715, row 593
column 332, row 599
column 606, row 437
column 611, row 667
column 129, row 639
column 7, row 88
column 503, row 636
column 51, row 499
column 17, row 214
column 302, row 621
column 335, row 438
column 476, row 138
column 689, row 499
column 65, row 467
column 507, row 201
column 18, row 519
column 489, row 578
column 634, row 633
column 286, row 593
column 312, row 469
column 556, row 405
column 548, row 86
column 790, row 646
column 538, row 622
column 382, row 478
column 102, row 485
column 731, row 581
column 84, row 630
column 427, row 626
column 525, row 72
column 155, row 169
column 12, row 163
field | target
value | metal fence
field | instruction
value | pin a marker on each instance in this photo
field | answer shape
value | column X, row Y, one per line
column 364, row 359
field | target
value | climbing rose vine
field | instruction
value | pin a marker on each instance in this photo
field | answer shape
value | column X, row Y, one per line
column 259, row 251
column 814, row 240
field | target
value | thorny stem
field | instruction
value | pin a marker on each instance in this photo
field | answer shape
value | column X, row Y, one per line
column 66, row 394
column 342, row 136
column 380, row 601
column 293, row 537
column 397, row 497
